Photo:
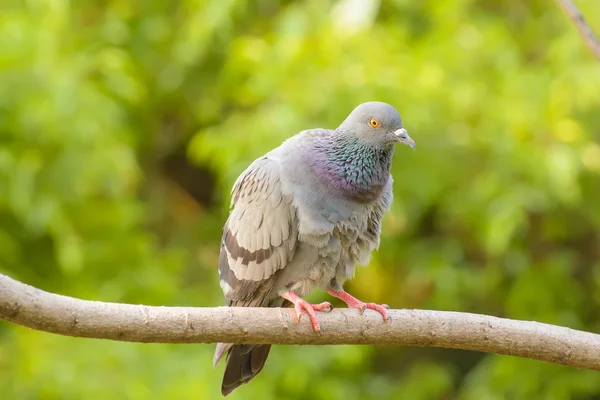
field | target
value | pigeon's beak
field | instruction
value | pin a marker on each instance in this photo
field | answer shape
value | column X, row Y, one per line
column 402, row 137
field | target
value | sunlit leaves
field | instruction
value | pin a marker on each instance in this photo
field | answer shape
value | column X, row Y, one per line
column 497, row 211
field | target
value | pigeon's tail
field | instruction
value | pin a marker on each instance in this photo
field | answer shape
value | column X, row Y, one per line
column 244, row 362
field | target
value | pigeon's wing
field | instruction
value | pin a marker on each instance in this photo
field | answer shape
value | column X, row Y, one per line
column 259, row 237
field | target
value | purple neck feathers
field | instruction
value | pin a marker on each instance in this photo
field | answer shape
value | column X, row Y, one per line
column 353, row 170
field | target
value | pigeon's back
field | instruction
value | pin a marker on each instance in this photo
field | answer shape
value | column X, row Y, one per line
column 261, row 239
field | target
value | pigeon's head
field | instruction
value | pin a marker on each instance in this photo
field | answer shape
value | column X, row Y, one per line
column 376, row 123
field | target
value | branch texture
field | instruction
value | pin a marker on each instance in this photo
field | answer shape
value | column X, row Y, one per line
column 584, row 29
column 36, row 309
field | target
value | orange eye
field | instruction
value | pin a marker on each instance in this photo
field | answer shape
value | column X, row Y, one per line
column 374, row 123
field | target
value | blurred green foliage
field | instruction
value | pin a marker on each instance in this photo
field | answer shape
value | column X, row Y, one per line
column 123, row 125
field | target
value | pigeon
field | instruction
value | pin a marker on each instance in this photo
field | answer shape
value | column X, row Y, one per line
column 302, row 217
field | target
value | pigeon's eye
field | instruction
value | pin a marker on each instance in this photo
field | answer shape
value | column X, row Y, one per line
column 374, row 123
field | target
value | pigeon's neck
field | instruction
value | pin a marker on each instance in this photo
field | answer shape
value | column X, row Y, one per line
column 352, row 169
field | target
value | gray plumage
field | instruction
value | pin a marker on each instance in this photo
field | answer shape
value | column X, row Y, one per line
column 303, row 216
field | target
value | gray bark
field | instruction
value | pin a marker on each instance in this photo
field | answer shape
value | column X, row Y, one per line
column 586, row 33
column 34, row 308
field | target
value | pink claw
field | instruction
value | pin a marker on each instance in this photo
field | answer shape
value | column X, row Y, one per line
column 301, row 304
column 353, row 302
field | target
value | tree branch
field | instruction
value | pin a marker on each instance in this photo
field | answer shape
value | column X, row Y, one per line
column 584, row 29
column 36, row 309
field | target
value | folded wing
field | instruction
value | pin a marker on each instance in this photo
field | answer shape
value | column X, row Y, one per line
column 259, row 237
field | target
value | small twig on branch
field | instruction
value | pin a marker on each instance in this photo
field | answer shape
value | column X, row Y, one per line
column 36, row 309
column 584, row 29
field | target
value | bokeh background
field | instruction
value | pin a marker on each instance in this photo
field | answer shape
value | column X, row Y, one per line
column 123, row 125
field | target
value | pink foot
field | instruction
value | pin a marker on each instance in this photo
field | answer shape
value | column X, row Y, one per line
column 353, row 302
column 301, row 304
